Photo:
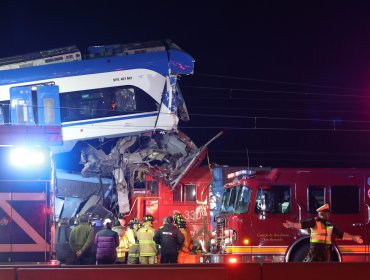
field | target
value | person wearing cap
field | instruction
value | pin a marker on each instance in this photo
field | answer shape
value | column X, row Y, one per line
column 170, row 239
column 147, row 246
column 321, row 235
column 81, row 241
column 106, row 242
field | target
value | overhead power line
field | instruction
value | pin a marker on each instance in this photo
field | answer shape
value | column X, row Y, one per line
column 280, row 82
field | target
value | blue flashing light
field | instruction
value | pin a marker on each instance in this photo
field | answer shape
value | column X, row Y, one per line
column 27, row 157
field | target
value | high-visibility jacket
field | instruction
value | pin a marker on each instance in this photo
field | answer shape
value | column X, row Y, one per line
column 147, row 246
column 321, row 232
column 188, row 242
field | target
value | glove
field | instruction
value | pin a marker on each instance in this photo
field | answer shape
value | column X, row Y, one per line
column 357, row 239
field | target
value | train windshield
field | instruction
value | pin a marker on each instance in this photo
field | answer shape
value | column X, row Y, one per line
column 236, row 200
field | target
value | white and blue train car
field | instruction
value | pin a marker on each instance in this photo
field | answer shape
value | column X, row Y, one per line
column 116, row 90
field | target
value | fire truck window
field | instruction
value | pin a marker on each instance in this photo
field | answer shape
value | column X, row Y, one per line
column 316, row 198
column 345, row 199
column 225, row 200
column 273, row 200
column 243, row 200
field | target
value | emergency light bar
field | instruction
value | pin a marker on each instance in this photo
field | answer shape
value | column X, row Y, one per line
column 246, row 172
column 27, row 157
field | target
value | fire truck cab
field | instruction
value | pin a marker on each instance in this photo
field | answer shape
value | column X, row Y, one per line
column 257, row 202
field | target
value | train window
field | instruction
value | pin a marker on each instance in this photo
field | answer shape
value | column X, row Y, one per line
column 2, row 118
column 190, row 193
column 105, row 102
column 152, row 186
column 273, row 200
column 125, row 99
column 345, row 199
column 185, row 193
column 316, row 198
column 49, row 113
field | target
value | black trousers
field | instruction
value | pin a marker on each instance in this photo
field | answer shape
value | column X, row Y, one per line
column 318, row 253
column 169, row 258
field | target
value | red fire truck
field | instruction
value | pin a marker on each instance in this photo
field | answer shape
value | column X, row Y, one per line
column 257, row 202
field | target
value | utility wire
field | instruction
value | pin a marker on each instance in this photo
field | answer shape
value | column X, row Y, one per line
column 279, row 82
column 232, row 89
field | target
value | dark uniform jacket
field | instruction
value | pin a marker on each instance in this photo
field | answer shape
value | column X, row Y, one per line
column 170, row 239
column 64, row 252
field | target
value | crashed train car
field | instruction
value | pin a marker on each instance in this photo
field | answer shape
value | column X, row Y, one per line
column 113, row 91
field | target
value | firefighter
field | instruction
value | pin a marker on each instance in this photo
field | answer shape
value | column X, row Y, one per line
column 321, row 235
column 170, row 239
column 133, row 252
column 147, row 246
column 177, row 217
column 122, row 247
column 187, row 246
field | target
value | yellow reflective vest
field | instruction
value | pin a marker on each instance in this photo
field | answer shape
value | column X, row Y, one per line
column 321, row 233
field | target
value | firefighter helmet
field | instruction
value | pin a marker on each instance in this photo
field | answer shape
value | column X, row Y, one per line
column 148, row 218
column 133, row 222
column 177, row 217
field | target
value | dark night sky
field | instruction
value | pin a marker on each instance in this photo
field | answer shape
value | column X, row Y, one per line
column 287, row 82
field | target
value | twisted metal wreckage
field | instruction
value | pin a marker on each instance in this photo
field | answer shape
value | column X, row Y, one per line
column 168, row 156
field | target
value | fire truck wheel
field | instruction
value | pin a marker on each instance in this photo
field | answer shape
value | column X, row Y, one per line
column 300, row 253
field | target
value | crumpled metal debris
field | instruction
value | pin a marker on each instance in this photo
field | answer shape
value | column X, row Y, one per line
column 164, row 155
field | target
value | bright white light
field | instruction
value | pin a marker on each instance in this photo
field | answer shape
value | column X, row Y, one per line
column 26, row 157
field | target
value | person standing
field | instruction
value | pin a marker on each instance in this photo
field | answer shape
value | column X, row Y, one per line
column 134, row 252
column 122, row 247
column 106, row 242
column 321, row 235
column 147, row 246
column 170, row 239
column 81, row 241
column 185, row 250
column 63, row 251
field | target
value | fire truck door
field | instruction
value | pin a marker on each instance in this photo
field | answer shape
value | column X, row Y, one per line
column 272, row 206
column 367, row 220
column 348, row 210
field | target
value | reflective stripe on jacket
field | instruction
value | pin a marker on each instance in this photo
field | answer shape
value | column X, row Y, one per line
column 321, row 233
column 122, row 247
column 134, row 252
column 147, row 245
